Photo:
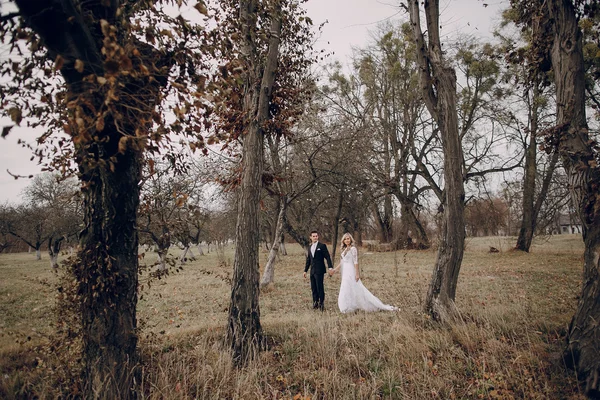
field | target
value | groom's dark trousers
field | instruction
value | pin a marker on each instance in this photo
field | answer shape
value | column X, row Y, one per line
column 316, row 264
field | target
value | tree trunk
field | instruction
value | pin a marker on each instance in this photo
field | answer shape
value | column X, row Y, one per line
column 336, row 222
column 244, row 331
column 54, row 250
column 187, row 250
column 38, row 253
column 402, row 235
column 109, row 169
column 442, row 290
column 161, row 260
column 282, row 248
column 269, row 272
column 422, row 239
column 579, row 160
column 383, row 222
column 410, row 223
column 528, row 221
column 200, row 252
column 108, row 276
column 438, row 84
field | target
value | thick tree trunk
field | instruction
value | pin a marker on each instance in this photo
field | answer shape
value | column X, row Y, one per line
column 108, row 276
column 244, row 330
column 438, row 83
column 268, row 276
column 107, row 268
column 38, row 253
column 442, row 290
column 579, row 160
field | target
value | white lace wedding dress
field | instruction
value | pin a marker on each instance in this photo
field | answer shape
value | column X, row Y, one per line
column 354, row 295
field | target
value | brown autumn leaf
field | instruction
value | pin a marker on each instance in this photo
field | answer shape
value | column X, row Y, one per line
column 126, row 64
column 123, row 144
column 15, row 114
column 100, row 124
column 105, row 26
column 201, row 7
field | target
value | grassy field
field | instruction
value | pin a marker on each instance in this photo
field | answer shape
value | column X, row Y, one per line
column 515, row 308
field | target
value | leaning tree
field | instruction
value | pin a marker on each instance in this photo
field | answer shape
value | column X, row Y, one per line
column 95, row 74
column 438, row 85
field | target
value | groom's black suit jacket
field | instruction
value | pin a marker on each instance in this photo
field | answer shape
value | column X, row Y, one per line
column 317, row 263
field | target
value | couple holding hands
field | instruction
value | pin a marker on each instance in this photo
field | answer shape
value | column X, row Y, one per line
column 353, row 295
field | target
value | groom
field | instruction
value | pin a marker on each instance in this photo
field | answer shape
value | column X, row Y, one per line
column 315, row 260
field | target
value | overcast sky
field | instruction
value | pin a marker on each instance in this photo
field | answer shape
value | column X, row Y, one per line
column 348, row 25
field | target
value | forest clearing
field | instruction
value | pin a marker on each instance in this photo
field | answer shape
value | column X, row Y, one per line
column 515, row 309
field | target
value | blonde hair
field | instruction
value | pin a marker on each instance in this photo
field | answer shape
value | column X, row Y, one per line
column 344, row 247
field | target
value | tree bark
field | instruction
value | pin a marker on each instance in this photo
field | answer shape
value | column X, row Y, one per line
column 282, row 248
column 108, row 275
column 528, row 221
column 336, row 221
column 107, row 268
column 580, row 162
column 531, row 204
column 54, row 249
column 384, row 220
column 438, row 84
column 244, row 331
column 269, row 272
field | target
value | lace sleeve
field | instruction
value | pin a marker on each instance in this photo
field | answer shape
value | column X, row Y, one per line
column 354, row 253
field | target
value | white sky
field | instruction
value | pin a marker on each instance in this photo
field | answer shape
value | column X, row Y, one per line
column 348, row 26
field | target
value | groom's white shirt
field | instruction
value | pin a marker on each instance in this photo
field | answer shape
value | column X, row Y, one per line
column 313, row 248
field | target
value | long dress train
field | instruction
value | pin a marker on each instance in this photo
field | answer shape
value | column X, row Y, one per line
column 354, row 295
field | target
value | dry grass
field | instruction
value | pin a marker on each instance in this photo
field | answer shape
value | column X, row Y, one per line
column 515, row 310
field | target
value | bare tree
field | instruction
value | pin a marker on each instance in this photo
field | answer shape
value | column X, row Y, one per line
column 438, row 84
column 62, row 200
column 244, row 330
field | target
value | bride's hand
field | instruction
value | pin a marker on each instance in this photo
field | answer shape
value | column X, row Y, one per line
column 357, row 278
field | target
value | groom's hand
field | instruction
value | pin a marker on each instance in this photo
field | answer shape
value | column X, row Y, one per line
column 304, row 274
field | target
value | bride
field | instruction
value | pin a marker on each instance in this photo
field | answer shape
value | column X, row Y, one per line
column 353, row 294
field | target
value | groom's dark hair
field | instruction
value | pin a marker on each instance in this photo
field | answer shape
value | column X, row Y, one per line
column 311, row 232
